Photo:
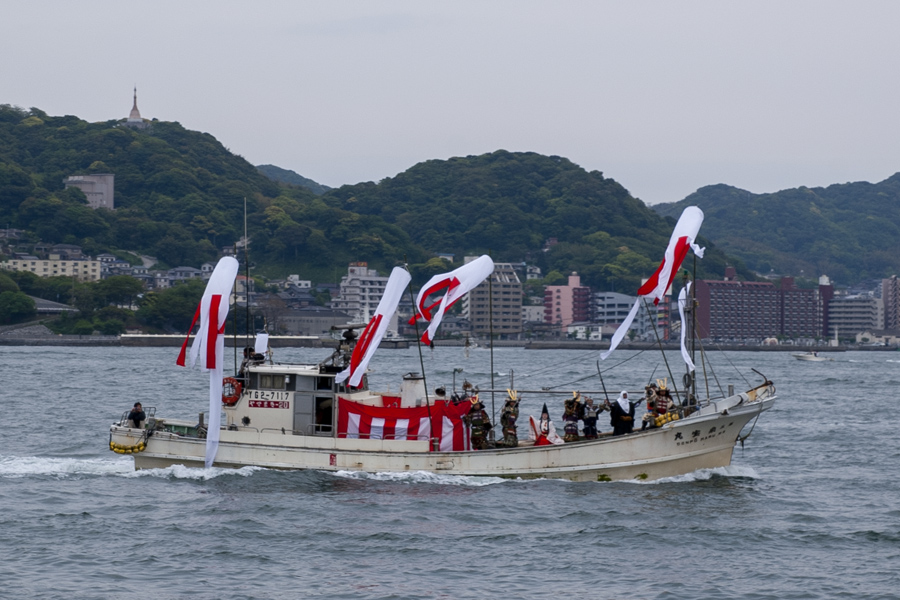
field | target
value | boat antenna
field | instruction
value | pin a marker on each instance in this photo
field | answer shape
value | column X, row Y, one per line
column 234, row 325
column 418, row 339
column 247, row 280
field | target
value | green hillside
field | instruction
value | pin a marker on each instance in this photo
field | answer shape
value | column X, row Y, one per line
column 292, row 178
column 180, row 197
column 511, row 204
column 849, row 232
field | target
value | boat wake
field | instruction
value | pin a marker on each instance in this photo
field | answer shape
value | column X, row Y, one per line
column 420, row 477
column 704, row 475
column 13, row 467
column 25, row 466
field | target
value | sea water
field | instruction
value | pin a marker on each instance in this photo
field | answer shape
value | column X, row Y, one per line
column 810, row 507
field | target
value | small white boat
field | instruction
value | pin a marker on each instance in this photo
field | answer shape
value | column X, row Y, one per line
column 810, row 356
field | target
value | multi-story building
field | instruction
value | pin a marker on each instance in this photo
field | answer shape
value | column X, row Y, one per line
column 99, row 188
column 82, row 269
column 890, row 295
column 611, row 308
column 360, row 292
column 852, row 314
column 801, row 310
column 495, row 306
column 565, row 304
column 752, row 310
column 738, row 310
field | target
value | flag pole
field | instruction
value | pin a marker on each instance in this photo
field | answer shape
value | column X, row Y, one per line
column 412, row 299
column 491, row 333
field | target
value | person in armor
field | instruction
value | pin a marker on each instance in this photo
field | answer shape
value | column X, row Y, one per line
column 591, row 414
column 572, row 413
column 508, row 417
column 650, row 395
column 479, row 425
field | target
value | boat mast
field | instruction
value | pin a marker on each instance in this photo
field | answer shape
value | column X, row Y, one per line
column 247, row 280
column 491, row 333
column 412, row 299
column 693, row 390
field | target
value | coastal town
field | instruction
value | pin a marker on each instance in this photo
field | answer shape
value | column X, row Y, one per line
column 506, row 309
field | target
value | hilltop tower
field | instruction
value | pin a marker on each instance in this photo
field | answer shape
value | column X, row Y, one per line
column 134, row 118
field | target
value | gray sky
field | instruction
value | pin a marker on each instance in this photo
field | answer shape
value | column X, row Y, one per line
column 662, row 96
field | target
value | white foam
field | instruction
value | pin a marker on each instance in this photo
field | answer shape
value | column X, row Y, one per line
column 25, row 466
column 704, row 475
column 193, row 473
column 421, row 477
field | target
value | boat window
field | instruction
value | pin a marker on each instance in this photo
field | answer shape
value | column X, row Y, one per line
column 271, row 382
column 324, row 383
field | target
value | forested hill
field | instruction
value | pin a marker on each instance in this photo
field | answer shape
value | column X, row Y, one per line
column 292, row 178
column 180, row 197
column 511, row 204
column 849, row 232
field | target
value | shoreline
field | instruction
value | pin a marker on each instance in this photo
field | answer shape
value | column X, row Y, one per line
column 16, row 338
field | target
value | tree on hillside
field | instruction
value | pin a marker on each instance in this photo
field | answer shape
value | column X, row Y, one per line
column 16, row 307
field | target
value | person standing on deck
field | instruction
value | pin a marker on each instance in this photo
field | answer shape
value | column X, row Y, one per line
column 137, row 415
column 622, row 415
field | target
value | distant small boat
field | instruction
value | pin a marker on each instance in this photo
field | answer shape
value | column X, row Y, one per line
column 810, row 356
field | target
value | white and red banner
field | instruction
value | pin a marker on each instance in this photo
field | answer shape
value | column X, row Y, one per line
column 454, row 286
column 361, row 421
column 682, row 239
column 375, row 330
column 683, row 297
column 209, row 343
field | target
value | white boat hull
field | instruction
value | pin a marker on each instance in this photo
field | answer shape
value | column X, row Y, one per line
column 810, row 357
column 704, row 440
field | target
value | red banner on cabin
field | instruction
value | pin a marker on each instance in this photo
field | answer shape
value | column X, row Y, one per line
column 360, row 421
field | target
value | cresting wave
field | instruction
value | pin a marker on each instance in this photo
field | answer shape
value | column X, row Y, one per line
column 420, row 477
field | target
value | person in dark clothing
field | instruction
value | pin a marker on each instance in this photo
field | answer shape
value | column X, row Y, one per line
column 137, row 415
column 622, row 415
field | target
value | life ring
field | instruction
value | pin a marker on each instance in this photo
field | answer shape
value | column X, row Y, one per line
column 230, row 399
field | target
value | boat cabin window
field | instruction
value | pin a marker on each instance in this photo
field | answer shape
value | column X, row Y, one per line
column 324, row 383
column 269, row 381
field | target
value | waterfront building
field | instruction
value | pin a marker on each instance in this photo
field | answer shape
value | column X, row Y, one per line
column 565, row 304
column 495, row 305
column 890, row 295
column 360, row 292
column 851, row 314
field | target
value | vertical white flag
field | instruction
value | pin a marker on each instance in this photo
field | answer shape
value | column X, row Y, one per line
column 375, row 330
column 209, row 344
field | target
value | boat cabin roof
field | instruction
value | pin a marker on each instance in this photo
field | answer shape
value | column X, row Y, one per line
column 290, row 369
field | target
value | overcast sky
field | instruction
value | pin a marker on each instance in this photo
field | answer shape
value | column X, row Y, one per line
column 664, row 96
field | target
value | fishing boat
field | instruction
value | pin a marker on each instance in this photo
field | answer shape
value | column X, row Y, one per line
column 324, row 416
